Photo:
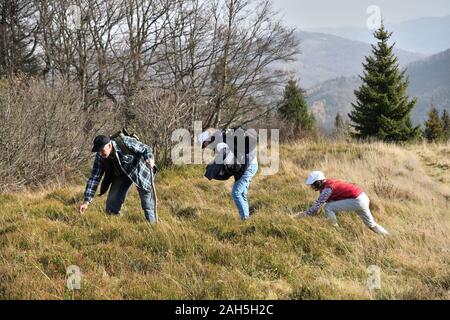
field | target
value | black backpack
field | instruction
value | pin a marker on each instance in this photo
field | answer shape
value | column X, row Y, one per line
column 242, row 158
column 118, row 138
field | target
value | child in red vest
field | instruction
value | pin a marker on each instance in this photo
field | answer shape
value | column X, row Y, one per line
column 341, row 196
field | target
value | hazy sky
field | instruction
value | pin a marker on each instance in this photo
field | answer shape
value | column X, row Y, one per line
column 343, row 13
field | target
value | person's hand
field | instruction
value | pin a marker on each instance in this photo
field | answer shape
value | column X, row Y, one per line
column 301, row 215
column 83, row 207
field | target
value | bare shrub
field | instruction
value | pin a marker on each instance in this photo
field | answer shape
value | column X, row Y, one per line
column 383, row 185
column 156, row 114
column 45, row 133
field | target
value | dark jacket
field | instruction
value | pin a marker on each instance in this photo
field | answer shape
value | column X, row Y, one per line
column 217, row 170
column 132, row 162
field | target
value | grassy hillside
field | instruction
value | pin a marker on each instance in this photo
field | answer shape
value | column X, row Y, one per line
column 201, row 250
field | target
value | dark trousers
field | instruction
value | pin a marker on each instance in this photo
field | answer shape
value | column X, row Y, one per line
column 118, row 193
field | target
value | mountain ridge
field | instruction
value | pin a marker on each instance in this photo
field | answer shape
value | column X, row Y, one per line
column 429, row 82
column 324, row 57
column 426, row 35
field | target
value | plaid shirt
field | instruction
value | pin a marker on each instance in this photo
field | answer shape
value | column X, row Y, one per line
column 133, row 165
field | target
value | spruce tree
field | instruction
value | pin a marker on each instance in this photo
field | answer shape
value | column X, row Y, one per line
column 383, row 109
column 294, row 108
column 434, row 129
column 446, row 124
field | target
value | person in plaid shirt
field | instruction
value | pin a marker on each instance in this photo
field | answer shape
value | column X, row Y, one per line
column 121, row 169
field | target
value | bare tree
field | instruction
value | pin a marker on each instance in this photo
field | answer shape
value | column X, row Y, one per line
column 18, row 28
column 104, row 18
column 226, row 51
column 81, row 50
column 253, row 40
column 158, row 113
column 142, row 34
column 190, row 53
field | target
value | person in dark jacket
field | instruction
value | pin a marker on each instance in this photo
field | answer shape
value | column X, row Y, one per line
column 238, row 152
column 123, row 161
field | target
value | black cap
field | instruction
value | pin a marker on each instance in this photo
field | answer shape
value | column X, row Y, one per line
column 100, row 142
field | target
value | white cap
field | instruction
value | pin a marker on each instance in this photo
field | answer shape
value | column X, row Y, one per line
column 315, row 176
column 204, row 136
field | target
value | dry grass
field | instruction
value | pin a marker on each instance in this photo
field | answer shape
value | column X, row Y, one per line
column 201, row 250
column 436, row 159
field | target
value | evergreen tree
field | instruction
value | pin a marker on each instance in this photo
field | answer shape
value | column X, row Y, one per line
column 446, row 124
column 383, row 109
column 294, row 108
column 434, row 129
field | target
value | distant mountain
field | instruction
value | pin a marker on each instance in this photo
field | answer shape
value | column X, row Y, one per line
column 428, row 35
column 429, row 82
column 330, row 98
column 324, row 57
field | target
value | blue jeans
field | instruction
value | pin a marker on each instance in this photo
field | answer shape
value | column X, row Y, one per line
column 240, row 191
column 118, row 193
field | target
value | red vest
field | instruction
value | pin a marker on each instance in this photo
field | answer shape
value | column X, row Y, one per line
column 342, row 190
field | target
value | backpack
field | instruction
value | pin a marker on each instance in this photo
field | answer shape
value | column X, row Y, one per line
column 242, row 157
column 216, row 171
column 118, row 138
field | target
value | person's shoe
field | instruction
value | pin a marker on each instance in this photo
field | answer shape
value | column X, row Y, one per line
column 113, row 214
column 380, row 230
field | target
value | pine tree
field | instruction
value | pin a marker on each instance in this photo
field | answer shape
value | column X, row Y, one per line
column 294, row 108
column 446, row 124
column 383, row 109
column 434, row 128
